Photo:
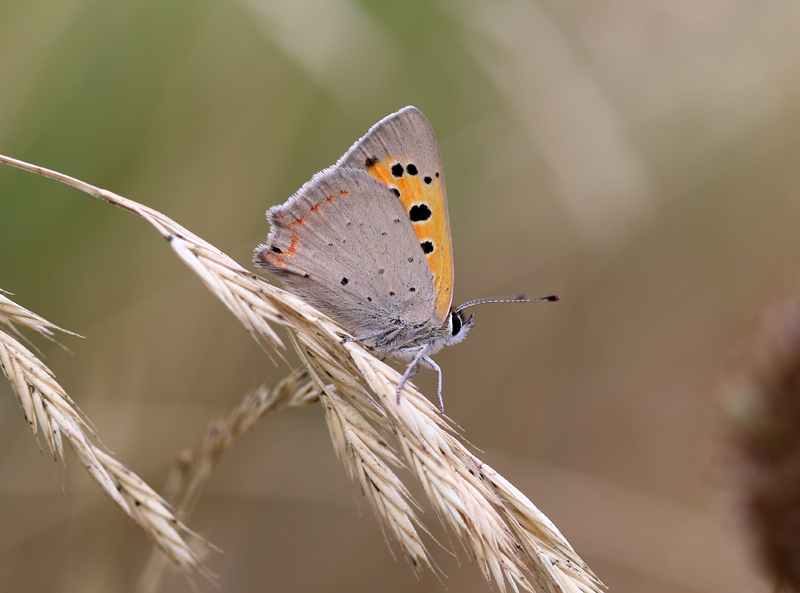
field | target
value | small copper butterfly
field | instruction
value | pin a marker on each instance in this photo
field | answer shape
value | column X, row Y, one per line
column 367, row 242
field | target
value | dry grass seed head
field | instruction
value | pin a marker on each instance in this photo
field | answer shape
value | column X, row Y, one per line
column 50, row 412
column 475, row 513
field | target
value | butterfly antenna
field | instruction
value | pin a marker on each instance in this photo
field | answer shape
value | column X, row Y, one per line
column 520, row 298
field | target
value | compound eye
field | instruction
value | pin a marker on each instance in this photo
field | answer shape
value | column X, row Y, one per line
column 456, row 323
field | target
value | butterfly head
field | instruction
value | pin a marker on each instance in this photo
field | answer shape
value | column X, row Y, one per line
column 458, row 326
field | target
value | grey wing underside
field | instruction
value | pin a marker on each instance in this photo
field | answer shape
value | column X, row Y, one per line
column 404, row 133
column 345, row 244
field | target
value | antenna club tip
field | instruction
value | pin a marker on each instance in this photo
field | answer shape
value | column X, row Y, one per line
column 552, row 298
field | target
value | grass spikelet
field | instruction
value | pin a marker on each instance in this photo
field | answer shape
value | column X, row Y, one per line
column 50, row 412
column 188, row 478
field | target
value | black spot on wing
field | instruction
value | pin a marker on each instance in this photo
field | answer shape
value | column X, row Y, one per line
column 344, row 281
column 427, row 247
column 427, row 180
column 397, row 170
column 411, row 169
column 419, row 213
column 370, row 162
column 395, row 192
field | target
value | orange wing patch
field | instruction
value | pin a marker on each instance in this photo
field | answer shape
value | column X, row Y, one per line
column 422, row 196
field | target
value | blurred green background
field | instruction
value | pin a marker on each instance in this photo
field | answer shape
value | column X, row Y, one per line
column 638, row 158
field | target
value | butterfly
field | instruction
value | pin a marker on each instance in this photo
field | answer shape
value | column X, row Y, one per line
column 367, row 242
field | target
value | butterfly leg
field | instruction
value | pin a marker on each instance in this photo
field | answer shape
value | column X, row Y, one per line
column 412, row 369
column 368, row 336
column 429, row 361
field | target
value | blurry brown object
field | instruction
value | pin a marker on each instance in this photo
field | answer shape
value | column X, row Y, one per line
column 765, row 411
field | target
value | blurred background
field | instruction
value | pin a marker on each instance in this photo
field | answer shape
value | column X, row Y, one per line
column 638, row 158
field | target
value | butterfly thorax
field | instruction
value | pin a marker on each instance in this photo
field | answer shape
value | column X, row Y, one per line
column 404, row 342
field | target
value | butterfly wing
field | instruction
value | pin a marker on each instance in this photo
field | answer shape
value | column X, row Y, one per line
column 344, row 243
column 401, row 151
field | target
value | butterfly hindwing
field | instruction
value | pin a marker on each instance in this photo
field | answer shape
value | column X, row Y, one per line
column 343, row 243
column 401, row 151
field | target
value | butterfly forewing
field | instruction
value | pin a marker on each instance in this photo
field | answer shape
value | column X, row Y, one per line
column 401, row 151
